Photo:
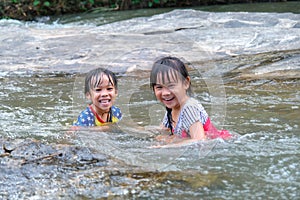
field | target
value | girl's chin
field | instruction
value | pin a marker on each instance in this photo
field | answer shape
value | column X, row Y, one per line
column 169, row 105
column 104, row 107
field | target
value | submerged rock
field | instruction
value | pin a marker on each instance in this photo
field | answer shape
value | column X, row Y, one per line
column 32, row 169
column 25, row 152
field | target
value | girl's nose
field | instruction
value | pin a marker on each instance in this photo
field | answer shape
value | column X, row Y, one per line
column 104, row 93
column 165, row 91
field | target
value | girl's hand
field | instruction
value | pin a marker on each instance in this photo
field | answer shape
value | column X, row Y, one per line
column 166, row 141
column 167, row 138
column 178, row 143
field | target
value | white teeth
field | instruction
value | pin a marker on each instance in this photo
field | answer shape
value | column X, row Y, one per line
column 168, row 99
column 104, row 100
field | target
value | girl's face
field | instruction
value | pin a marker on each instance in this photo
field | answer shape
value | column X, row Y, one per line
column 172, row 91
column 103, row 95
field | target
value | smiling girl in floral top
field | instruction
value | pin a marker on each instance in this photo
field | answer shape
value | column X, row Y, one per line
column 101, row 87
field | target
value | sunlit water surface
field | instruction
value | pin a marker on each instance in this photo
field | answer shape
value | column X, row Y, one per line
column 261, row 162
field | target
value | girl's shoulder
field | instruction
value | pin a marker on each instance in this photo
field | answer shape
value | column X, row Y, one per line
column 116, row 112
column 193, row 111
column 87, row 111
column 193, row 106
column 192, row 102
column 85, row 118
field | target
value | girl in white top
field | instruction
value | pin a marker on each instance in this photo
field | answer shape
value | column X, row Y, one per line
column 185, row 116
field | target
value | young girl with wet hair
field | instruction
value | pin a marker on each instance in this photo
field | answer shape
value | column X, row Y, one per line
column 185, row 116
column 101, row 87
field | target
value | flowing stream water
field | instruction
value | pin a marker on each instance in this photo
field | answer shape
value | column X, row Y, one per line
column 245, row 70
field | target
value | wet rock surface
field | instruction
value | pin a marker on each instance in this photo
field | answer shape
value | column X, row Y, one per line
column 30, row 168
column 202, row 38
column 30, row 164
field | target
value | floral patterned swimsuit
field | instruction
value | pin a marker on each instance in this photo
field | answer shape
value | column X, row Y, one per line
column 89, row 117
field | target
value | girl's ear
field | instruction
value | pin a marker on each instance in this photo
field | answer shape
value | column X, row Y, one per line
column 88, row 95
column 187, row 82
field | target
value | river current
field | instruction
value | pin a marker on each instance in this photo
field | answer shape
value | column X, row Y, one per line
column 245, row 70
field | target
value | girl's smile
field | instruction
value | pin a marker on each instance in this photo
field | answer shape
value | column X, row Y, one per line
column 169, row 99
column 168, row 102
column 105, row 102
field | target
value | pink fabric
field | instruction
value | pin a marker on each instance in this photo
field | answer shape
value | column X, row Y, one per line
column 184, row 134
column 212, row 132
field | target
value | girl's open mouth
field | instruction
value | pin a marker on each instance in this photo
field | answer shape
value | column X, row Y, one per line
column 104, row 101
column 170, row 99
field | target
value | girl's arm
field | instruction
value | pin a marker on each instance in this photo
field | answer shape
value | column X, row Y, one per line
column 196, row 133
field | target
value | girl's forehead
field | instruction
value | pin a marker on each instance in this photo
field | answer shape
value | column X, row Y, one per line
column 101, row 80
column 164, row 77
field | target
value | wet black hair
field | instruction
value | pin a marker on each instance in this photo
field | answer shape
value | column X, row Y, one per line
column 97, row 74
column 166, row 67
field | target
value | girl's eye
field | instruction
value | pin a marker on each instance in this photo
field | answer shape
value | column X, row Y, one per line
column 157, row 87
column 98, row 90
column 171, row 85
column 110, row 88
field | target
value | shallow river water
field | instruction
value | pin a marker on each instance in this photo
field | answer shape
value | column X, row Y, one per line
column 245, row 70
